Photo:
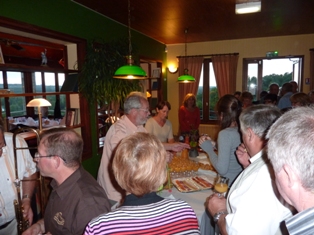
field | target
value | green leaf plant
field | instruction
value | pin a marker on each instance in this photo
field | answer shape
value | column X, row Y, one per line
column 96, row 82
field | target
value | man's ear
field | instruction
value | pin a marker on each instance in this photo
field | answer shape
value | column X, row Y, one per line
column 57, row 162
column 250, row 134
column 290, row 175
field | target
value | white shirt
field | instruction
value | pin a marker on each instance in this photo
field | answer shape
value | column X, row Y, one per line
column 252, row 204
column 119, row 130
column 163, row 133
column 26, row 167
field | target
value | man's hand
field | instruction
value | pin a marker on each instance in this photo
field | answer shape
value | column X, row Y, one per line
column 176, row 147
column 243, row 156
column 27, row 210
column 35, row 229
column 215, row 204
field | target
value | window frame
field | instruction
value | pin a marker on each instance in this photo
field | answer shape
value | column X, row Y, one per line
column 259, row 61
column 206, row 94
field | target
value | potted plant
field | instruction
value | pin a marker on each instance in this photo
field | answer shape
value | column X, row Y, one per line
column 96, row 82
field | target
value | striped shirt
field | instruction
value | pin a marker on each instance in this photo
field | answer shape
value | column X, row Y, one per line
column 302, row 223
column 163, row 216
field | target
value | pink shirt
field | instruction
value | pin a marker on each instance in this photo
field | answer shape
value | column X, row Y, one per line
column 189, row 120
column 122, row 128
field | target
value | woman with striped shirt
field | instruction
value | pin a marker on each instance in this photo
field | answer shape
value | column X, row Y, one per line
column 139, row 166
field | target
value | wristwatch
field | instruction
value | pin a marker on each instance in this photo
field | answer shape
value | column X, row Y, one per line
column 218, row 214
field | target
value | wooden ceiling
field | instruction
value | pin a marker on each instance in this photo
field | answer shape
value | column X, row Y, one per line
column 208, row 20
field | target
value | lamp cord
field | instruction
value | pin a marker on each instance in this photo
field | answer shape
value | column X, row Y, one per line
column 129, row 26
column 186, row 49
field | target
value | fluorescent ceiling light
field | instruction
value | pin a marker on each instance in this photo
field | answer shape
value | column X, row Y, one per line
column 248, row 7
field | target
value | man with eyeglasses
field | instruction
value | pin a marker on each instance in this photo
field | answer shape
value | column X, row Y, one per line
column 76, row 197
column 26, row 170
column 136, row 113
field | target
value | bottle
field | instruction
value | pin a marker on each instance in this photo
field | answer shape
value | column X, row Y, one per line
column 187, row 139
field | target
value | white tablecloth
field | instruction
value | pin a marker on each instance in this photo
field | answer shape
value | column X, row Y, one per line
column 196, row 200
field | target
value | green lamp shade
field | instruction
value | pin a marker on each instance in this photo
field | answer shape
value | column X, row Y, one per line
column 186, row 78
column 130, row 71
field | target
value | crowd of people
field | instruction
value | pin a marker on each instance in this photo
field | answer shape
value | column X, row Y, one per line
column 266, row 153
column 285, row 97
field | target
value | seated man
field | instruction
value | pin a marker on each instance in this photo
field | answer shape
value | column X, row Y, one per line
column 252, row 206
column 76, row 197
column 291, row 152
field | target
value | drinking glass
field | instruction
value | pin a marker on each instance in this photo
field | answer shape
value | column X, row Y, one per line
column 221, row 185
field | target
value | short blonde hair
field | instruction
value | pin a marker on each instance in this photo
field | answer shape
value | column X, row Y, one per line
column 139, row 164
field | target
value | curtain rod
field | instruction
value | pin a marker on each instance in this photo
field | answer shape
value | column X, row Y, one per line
column 206, row 55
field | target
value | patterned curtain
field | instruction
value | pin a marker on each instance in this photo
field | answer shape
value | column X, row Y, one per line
column 194, row 65
column 225, row 69
column 312, row 69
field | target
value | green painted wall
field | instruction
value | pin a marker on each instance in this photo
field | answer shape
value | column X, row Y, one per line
column 70, row 18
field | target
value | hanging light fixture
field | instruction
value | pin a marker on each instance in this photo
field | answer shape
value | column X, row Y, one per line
column 248, row 6
column 130, row 71
column 186, row 78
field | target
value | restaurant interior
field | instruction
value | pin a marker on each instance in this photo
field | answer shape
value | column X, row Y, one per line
column 66, row 51
column 162, row 34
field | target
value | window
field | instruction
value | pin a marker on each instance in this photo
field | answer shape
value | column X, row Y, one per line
column 50, row 82
column 260, row 73
column 207, row 94
column 18, row 83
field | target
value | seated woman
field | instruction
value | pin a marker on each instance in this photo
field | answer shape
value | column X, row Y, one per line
column 159, row 125
column 139, row 166
column 225, row 163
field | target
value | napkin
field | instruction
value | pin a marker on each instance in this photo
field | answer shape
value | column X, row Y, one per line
column 31, row 122
column 170, row 197
column 201, row 156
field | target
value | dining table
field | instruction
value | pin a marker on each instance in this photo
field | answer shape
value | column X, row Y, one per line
column 195, row 199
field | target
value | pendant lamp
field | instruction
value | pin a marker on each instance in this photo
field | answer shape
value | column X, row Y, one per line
column 130, row 71
column 186, row 78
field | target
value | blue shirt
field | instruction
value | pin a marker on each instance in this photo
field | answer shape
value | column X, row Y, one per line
column 302, row 223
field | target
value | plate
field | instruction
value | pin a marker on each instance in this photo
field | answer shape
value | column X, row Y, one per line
column 193, row 183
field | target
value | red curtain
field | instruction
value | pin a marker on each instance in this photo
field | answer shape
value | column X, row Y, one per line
column 194, row 65
column 311, row 69
column 225, row 69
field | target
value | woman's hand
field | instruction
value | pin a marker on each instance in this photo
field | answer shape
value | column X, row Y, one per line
column 204, row 138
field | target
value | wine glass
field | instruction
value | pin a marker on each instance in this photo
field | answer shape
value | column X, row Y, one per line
column 221, row 185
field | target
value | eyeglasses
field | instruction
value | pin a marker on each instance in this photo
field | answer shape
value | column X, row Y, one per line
column 48, row 156
column 145, row 110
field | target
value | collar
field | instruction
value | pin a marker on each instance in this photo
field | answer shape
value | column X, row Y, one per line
column 132, row 200
column 131, row 124
column 256, row 156
column 66, row 187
